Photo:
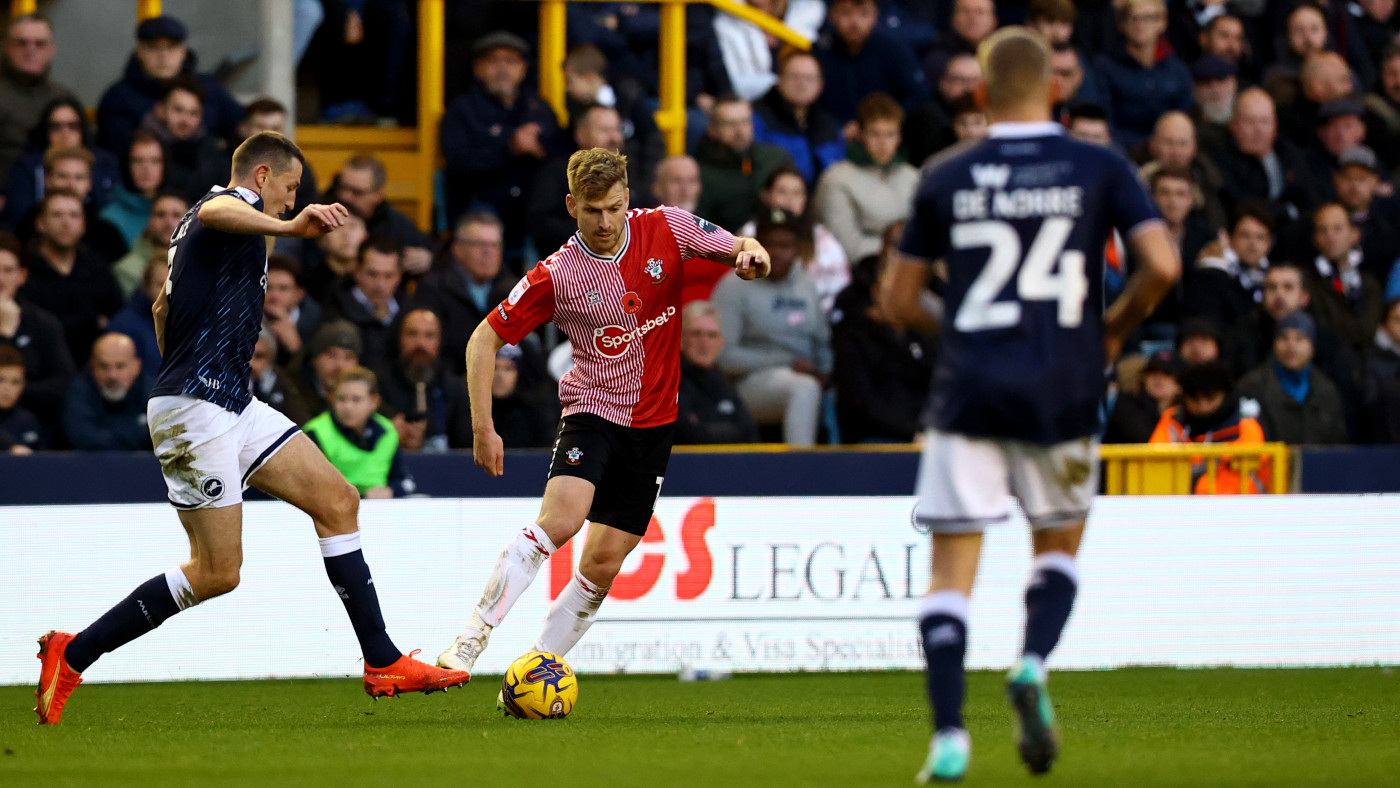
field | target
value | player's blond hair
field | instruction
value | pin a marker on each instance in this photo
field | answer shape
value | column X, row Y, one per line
column 593, row 173
column 1016, row 63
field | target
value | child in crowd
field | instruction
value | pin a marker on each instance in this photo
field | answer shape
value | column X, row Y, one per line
column 359, row 442
column 19, row 430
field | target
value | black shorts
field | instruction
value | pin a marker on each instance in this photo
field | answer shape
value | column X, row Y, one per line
column 625, row 464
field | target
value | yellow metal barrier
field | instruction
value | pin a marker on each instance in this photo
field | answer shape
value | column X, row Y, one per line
column 1172, row 470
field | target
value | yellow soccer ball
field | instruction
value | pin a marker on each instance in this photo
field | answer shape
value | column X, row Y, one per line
column 539, row 686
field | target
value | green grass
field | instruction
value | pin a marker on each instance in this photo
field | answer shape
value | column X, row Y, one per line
column 1126, row 727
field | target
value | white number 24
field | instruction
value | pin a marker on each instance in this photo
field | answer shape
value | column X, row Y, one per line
column 980, row 311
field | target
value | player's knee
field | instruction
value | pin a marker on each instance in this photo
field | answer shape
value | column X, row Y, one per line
column 217, row 582
column 560, row 527
column 342, row 509
column 601, row 567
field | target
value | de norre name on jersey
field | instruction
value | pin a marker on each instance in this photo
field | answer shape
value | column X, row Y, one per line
column 990, row 199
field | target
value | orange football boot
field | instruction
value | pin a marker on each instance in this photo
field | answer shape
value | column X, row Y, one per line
column 56, row 680
column 409, row 675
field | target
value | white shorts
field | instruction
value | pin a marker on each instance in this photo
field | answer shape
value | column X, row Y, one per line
column 206, row 453
column 965, row 484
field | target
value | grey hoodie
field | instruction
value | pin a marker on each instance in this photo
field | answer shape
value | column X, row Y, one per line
column 769, row 323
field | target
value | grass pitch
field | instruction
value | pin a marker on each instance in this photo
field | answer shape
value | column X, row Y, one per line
column 1133, row 727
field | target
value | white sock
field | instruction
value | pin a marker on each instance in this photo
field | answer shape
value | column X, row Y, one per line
column 514, row 571
column 571, row 615
column 180, row 588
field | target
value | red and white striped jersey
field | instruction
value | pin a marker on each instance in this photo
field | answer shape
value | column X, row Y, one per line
column 621, row 313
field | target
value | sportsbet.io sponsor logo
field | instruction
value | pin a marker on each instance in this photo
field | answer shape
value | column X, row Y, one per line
column 613, row 341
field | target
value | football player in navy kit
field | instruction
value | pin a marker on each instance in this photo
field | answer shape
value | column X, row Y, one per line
column 214, row 439
column 1021, row 220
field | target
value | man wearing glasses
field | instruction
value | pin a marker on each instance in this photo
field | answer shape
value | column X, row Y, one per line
column 359, row 186
column 470, row 284
column 25, row 86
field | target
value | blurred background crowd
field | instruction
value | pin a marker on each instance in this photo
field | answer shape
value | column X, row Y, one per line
column 1268, row 134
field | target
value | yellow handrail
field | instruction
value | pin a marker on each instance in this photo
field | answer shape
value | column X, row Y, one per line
column 432, row 35
column 671, row 117
column 23, row 7
column 1172, row 469
column 147, row 9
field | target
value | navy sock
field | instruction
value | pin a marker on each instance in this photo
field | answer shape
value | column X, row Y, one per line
column 1049, row 599
column 142, row 611
column 350, row 575
column 945, row 645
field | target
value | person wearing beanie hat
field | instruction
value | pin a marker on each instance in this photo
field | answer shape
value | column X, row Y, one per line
column 1198, row 340
column 161, row 55
column 1135, row 414
column 1297, row 403
column 1210, row 412
column 335, row 348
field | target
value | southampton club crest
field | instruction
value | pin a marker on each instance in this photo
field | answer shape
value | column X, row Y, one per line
column 572, row 456
column 655, row 271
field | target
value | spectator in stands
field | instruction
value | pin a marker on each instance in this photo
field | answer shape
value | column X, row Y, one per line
column 858, row 198
column 70, row 170
column 1173, row 146
column 1211, row 412
column 677, row 182
column 732, row 166
column 357, row 59
column 359, row 186
column 427, row 404
column 788, row 116
column 968, row 26
column 1307, row 33
column 1175, row 192
column 335, row 258
column 36, row 334
column 1135, row 414
column 196, row 160
column 165, row 215
column 1324, row 78
column 61, row 125
column 269, row 114
column 969, row 120
column 1198, row 340
column 748, row 51
column 359, row 442
column 1089, row 123
column 287, row 312
column 1286, row 292
column 1382, row 378
column 367, row 300
column 1228, row 280
column 1345, row 296
column 776, row 339
column 20, row 433
column 25, row 85
column 710, row 410
column 1298, row 404
column 1256, row 164
column 143, row 174
column 160, row 56
column 105, row 408
column 929, row 129
column 1139, row 81
column 595, row 126
column 1054, row 19
column 1339, row 130
column 586, row 83
column 270, row 383
column 821, row 254
column 521, row 421
column 66, row 278
column 469, row 286
column 1357, row 181
column 1383, row 109
column 1215, row 86
column 496, row 135
column 1077, row 84
column 334, row 350
column 135, row 319
column 881, row 371
column 1223, row 37
column 1375, row 24
column 858, row 60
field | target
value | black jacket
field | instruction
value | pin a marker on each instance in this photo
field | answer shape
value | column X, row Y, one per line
column 882, row 379
column 48, row 364
column 126, row 102
column 444, row 291
column 80, row 300
column 94, row 424
column 710, row 410
column 376, row 337
column 18, row 427
column 1134, row 418
column 1245, row 178
column 523, row 422
column 445, row 408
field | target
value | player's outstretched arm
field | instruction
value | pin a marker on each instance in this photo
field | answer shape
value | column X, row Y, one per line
column 749, row 258
column 487, row 449
column 233, row 215
column 1160, row 267
column 900, row 287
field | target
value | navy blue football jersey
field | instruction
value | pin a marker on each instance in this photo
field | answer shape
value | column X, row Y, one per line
column 1022, row 219
column 216, row 288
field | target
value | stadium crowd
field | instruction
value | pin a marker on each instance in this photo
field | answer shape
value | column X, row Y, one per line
column 1268, row 133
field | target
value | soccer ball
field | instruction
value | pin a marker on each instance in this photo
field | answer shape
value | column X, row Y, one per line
column 539, row 686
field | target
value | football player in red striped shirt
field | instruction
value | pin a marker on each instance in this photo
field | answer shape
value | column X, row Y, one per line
column 615, row 290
